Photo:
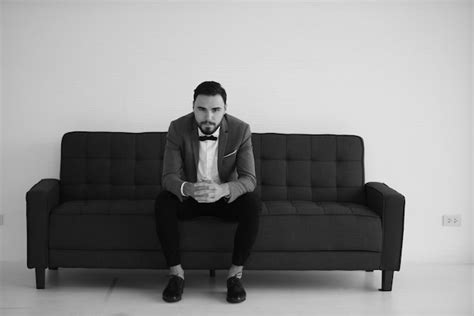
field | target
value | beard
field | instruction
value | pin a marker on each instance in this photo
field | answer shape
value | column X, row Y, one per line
column 208, row 127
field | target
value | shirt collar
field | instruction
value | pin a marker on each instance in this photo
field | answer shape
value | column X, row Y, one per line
column 216, row 132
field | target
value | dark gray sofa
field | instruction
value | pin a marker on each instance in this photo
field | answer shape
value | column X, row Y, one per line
column 317, row 214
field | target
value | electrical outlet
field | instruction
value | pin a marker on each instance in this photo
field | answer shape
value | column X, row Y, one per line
column 451, row 220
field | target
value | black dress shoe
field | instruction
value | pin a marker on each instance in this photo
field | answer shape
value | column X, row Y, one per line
column 174, row 289
column 235, row 290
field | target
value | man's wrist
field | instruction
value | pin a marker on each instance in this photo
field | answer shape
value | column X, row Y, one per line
column 226, row 190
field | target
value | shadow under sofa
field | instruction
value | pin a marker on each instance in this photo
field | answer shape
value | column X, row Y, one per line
column 317, row 211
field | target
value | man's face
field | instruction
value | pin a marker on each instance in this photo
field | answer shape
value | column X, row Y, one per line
column 208, row 112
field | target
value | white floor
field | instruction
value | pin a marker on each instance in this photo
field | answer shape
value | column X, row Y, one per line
column 418, row 289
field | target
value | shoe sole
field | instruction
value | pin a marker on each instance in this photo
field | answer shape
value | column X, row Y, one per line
column 235, row 300
column 171, row 300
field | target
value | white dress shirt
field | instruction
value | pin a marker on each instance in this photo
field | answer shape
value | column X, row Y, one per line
column 207, row 168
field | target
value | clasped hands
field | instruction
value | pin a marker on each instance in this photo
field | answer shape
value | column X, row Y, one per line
column 206, row 191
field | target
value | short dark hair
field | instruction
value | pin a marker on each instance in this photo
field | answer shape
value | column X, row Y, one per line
column 210, row 88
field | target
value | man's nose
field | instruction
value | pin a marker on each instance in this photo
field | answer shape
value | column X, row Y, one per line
column 209, row 116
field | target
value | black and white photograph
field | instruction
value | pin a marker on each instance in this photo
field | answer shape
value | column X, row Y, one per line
column 237, row 157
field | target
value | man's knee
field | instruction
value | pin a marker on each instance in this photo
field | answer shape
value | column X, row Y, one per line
column 164, row 200
column 254, row 199
column 164, row 196
column 252, row 203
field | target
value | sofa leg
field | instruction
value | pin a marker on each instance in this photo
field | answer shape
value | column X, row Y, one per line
column 212, row 273
column 39, row 278
column 387, row 278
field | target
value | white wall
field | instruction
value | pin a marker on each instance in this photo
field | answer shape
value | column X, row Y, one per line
column 472, row 142
column 396, row 73
column 1, row 129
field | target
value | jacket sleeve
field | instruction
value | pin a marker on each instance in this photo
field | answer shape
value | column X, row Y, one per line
column 173, row 163
column 245, row 166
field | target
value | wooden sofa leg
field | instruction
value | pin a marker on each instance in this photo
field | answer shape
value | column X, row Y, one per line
column 387, row 278
column 39, row 278
column 212, row 273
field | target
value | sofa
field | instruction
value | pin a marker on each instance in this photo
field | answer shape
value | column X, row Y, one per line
column 317, row 211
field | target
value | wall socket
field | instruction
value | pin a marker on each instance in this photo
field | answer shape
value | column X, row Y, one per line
column 451, row 220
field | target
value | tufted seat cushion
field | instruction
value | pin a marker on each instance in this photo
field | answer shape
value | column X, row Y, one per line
column 284, row 226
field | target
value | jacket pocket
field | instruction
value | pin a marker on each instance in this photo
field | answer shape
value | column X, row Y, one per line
column 230, row 154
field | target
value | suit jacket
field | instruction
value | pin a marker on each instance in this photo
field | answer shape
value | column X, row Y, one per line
column 235, row 161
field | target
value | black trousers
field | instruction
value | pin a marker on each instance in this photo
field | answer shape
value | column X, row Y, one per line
column 245, row 210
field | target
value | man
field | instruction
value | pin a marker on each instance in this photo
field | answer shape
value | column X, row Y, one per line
column 208, row 169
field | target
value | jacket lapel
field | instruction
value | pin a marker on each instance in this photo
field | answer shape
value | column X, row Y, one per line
column 195, row 143
column 223, row 133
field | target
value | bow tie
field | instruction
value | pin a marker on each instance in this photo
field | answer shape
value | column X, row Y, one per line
column 203, row 138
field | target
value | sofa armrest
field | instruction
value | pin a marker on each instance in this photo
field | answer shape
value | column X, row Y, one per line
column 40, row 200
column 390, row 205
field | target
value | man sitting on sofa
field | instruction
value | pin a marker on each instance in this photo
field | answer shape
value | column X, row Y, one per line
column 208, row 169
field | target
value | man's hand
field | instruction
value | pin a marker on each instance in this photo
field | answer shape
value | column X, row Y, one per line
column 206, row 191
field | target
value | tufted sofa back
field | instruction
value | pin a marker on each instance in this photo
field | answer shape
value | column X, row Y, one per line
column 309, row 167
column 119, row 165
